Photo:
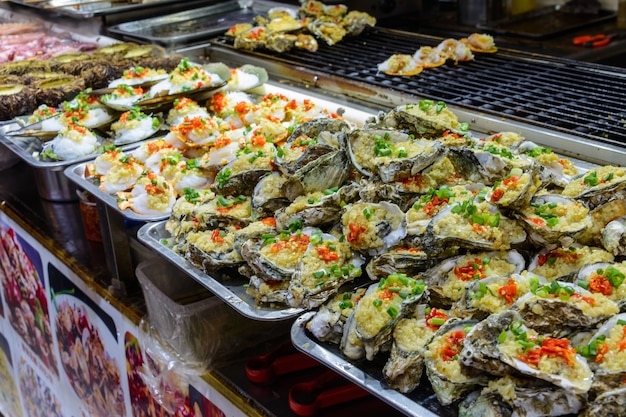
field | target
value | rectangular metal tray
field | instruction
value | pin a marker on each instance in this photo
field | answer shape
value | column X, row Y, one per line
column 230, row 288
column 86, row 9
column 183, row 27
column 76, row 174
column 545, row 22
column 368, row 375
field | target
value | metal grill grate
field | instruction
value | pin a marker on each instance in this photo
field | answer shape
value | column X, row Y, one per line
column 581, row 99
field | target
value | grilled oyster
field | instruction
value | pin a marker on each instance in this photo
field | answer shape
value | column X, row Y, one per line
column 614, row 237
column 329, row 32
column 317, row 209
column 425, row 118
column 373, row 227
column 268, row 195
column 508, row 396
column 448, row 376
column 448, row 280
column 222, row 211
column 268, row 292
column 490, row 295
column 327, row 264
column 598, row 185
column 606, row 355
column 474, row 224
column 608, row 404
column 391, row 155
column 554, row 219
column 384, row 303
column 502, row 344
column 275, row 257
column 400, row 64
column 564, row 262
column 251, row 39
column 309, row 141
column 355, row 22
column 602, row 216
column 516, row 189
column 605, row 278
column 553, row 169
column 327, row 171
column 328, row 322
column 399, row 259
column 403, row 370
column 210, row 249
column 560, row 308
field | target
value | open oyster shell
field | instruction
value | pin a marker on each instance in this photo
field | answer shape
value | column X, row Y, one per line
column 391, row 155
column 561, row 308
column 327, row 264
column 373, row 227
column 553, row 219
column 210, row 249
column 473, row 224
column 614, row 236
column 327, row 325
column 384, row 303
column 447, row 281
column 427, row 119
column 564, row 262
column 491, row 295
column 502, row 344
column 509, row 396
column 598, row 185
column 448, row 376
column 608, row 404
column 328, row 171
column 605, row 278
column 268, row 195
column 403, row 370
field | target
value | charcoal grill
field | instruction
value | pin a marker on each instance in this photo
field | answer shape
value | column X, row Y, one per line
column 553, row 98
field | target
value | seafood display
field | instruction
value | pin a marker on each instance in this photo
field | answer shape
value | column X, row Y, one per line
column 283, row 29
column 25, row 296
column 455, row 50
column 92, row 373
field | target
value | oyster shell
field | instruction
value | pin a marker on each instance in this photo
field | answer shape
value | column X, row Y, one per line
column 326, row 172
column 607, row 404
column 403, row 370
column 268, row 196
column 516, row 189
column 474, row 224
column 509, row 396
column 329, row 32
column 327, row 324
column 560, row 308
column 563, row 263
column 384, row 303
column 501, row 344
column 268, row 292
column 554, row 219
column 553, row 170
column 605, row 278
column 327, row 264
column 317, row 209
column 614, row 236
column 448, row 280
column 490, row 296
column 276, row 257
column 309, row 141
column 598, row 185
column 425, row 119
column 373, row 227
column 223, row 211
column 490, row 163
column 391, row 155
column 210, row 249
column 399, row 259
column 448, row 376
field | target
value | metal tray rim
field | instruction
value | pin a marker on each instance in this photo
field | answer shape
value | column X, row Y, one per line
column 151, row 234
column 76, row 174
column 309, row 346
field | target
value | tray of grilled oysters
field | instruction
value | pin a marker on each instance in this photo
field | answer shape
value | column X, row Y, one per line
column 495, row 272
column 123, row 114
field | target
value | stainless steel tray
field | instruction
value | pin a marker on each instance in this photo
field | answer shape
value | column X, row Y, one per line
column 182, row 27
column 76, row 174
column 368, row 374
column 229, row 287
column 86, row 9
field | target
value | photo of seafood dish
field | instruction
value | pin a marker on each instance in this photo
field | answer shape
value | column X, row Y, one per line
column 9, row 396
column 142, row 402
column 85, row 345
column 25, row 295
column 39, row 398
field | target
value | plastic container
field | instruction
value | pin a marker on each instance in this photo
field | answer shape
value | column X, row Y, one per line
column 203, row 330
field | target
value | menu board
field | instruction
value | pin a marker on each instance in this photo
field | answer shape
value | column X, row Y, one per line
column 65, row 351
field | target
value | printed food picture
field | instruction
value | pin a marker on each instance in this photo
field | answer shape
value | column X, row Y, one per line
column 9, row 396
column 87, row 345
column 25, row 295
column 39, row 397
